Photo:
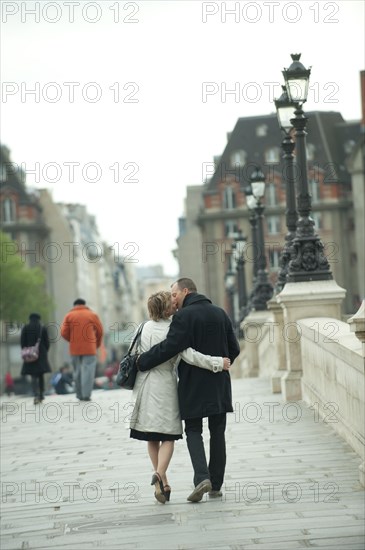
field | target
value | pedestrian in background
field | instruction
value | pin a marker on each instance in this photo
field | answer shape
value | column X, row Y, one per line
column 83, row 330
column 9, row 384
column 62, row 381
column 29, row 336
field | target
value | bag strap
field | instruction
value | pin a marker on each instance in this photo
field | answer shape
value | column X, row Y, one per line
column 137, row 336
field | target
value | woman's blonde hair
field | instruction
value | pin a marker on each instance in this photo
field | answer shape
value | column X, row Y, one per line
column 159, row 305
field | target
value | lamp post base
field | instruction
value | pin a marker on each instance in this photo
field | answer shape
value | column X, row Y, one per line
column 310, row 299
column 304, row 276
column 262, row 293
column 308, row 262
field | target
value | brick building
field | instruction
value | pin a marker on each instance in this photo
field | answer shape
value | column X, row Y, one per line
column 257, row 141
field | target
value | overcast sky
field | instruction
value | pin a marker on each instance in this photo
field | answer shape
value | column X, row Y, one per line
column 130, row 99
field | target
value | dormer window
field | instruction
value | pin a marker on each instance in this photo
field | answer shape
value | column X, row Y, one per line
column 261, row 131
column 348, row 146
column 238, row 157
column 272, row 155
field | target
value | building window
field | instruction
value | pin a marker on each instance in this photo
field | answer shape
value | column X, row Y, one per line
column 230, row 229
column 8, row 211
column 270, row 195
column 273, row 225
column 261, row 131
column 274, row 258
column 310, row 151
column 182, row 227
column 317, row 217
column 314, row 190
column 272, row 155
column 229, row 198
column 238, row 157
column 349, row 146
column 2, row 172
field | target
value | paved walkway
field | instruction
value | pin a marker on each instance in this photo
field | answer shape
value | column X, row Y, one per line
column 72, row 479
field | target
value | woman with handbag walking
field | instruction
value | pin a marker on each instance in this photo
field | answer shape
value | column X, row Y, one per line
column 32, row 333
column 156, row 417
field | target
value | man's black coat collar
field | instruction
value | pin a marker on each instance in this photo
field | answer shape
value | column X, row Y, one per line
column 193, row 298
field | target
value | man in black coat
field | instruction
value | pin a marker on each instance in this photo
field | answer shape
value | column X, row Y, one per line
column 206, row 328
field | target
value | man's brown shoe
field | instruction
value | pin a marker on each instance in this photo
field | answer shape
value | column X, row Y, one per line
column 203, row 487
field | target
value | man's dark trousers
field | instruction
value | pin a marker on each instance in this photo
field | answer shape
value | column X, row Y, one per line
column 217, row 451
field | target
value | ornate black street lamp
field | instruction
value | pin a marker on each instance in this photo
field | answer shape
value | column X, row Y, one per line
column 230, row 280
column 285, row 110
column 251, row 203
column 263, row 289
column 238, row 249
column 308, row 262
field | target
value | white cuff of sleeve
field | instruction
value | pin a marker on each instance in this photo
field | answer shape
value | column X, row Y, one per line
column 217, row 364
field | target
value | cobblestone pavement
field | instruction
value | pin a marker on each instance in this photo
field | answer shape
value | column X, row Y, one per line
column 72, row 479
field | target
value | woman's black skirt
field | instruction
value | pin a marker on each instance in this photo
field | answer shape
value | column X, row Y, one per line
column 154, row 436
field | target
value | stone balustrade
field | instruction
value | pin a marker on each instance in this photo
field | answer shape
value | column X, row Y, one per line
column 328, row 363
column 333, row 378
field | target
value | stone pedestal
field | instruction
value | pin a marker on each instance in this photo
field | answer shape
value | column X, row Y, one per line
column 357, row 325
column 299, row 301
column 252, row 328
column 278, row 326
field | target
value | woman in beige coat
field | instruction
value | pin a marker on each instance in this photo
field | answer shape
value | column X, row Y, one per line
column 156, row 418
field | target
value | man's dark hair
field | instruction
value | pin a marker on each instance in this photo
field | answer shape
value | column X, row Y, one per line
column 79, row 302
column 185, row 282
column 34, row 317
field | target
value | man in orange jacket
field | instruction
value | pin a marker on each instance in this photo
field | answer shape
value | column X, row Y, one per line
column 82, row 328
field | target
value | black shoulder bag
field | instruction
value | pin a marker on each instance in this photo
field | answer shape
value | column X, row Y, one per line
column 127, row 372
